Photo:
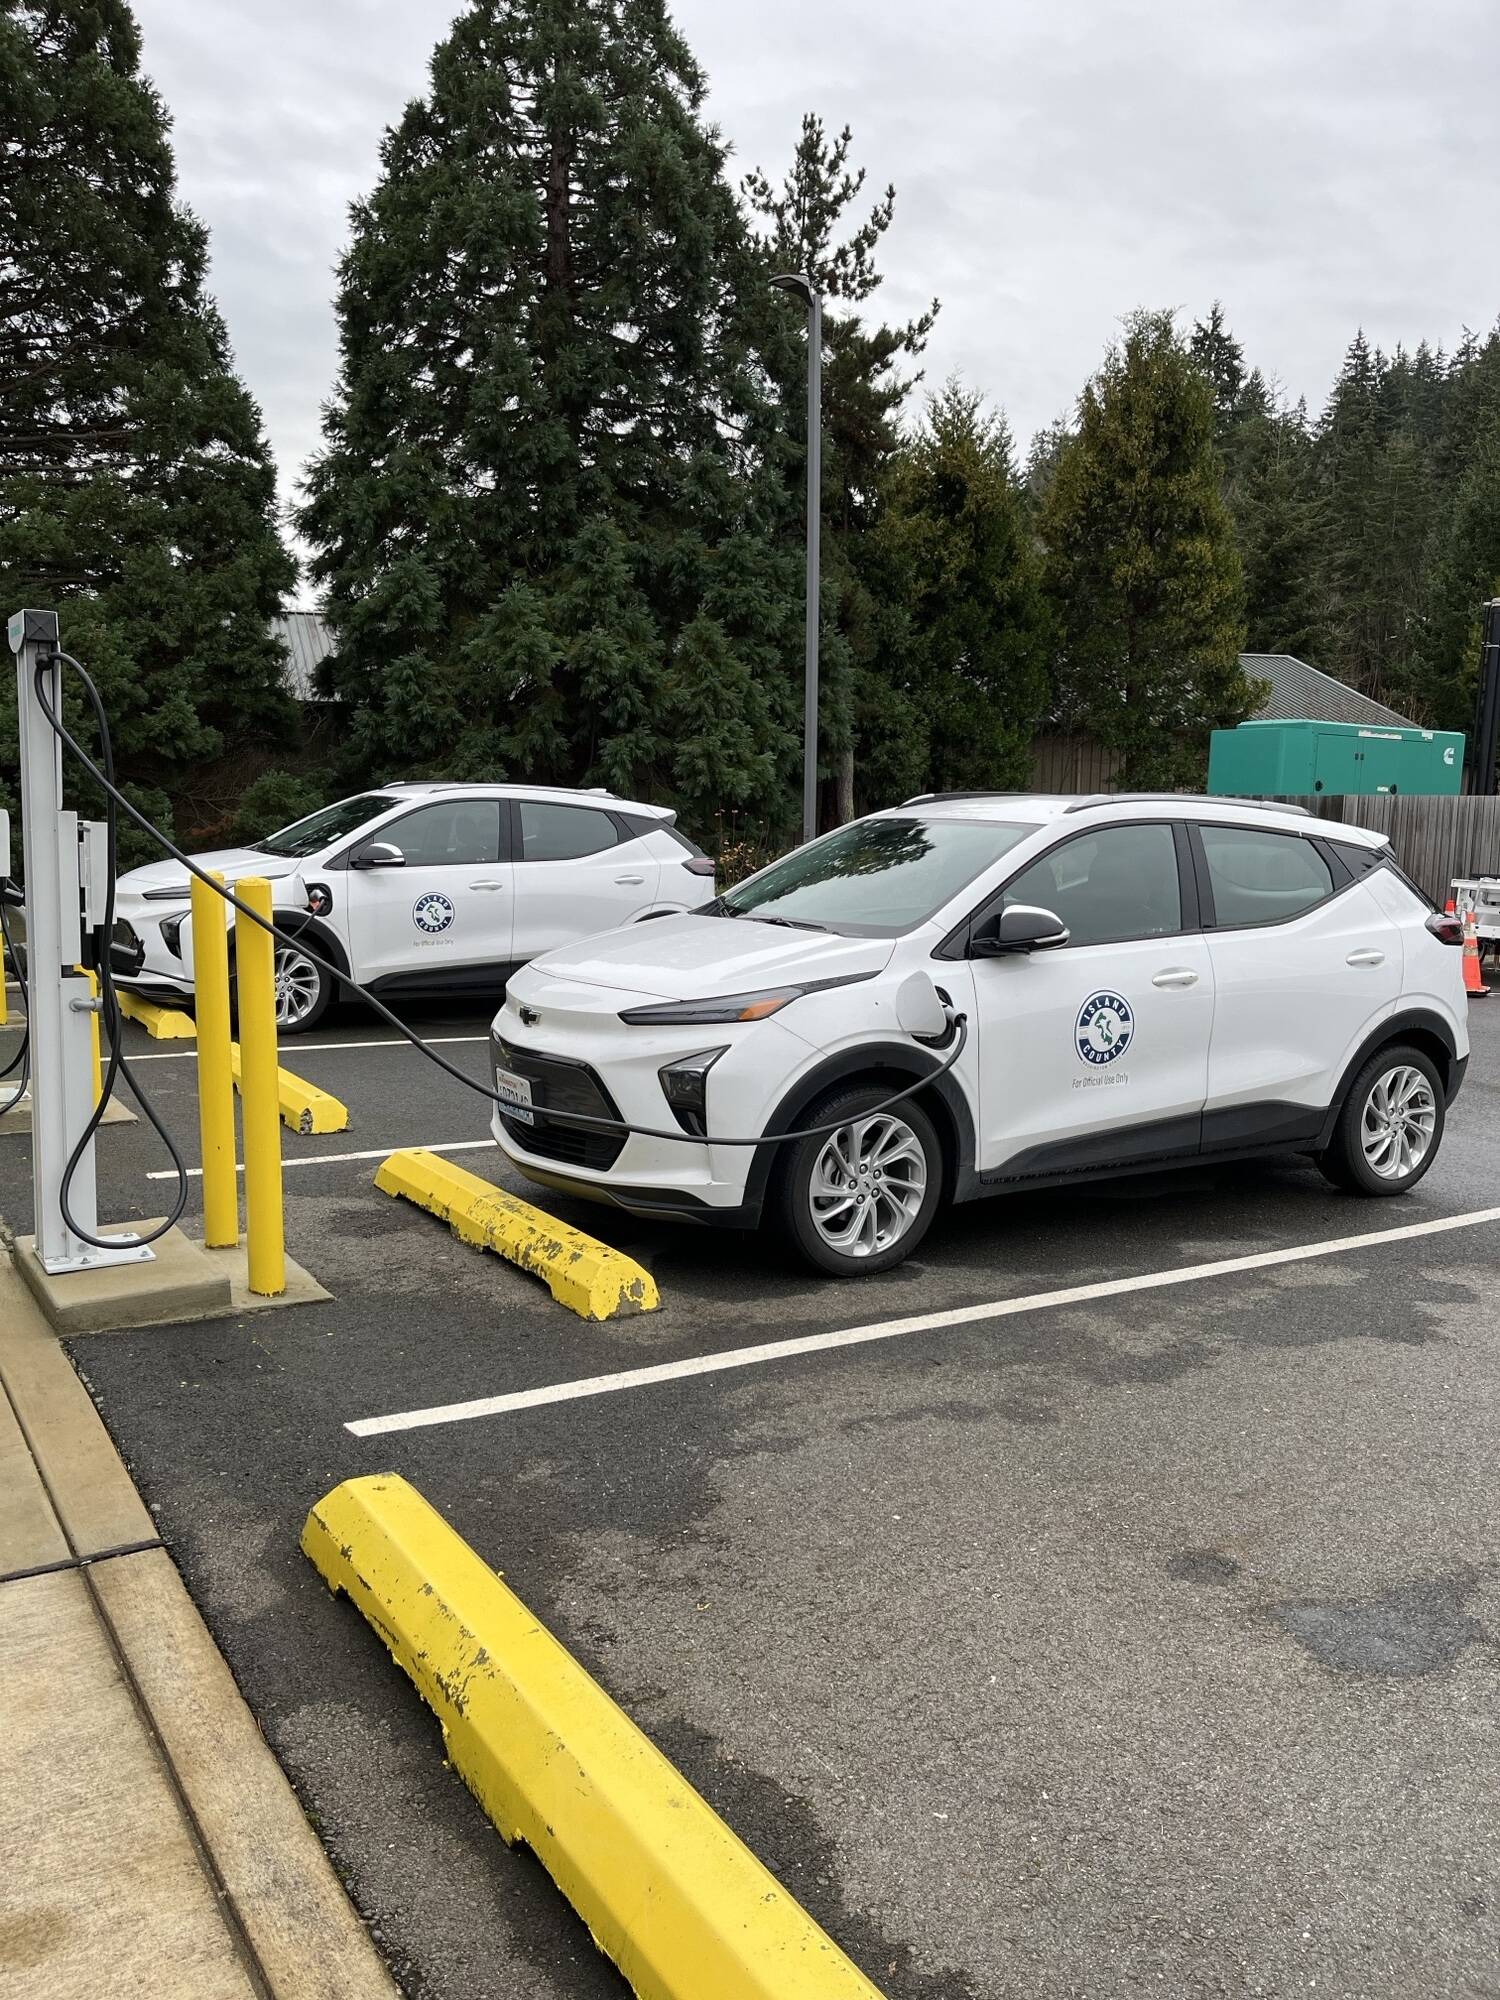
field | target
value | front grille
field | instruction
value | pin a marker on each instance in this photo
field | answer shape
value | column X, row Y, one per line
column 558, row 1084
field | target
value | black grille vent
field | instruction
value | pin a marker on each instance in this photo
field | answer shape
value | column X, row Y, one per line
column 560, row 1085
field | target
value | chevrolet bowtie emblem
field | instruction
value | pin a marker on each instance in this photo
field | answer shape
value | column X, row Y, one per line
column 529, row 1016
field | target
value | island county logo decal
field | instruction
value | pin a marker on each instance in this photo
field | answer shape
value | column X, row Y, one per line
column 1105, row 1028
column 432, row 913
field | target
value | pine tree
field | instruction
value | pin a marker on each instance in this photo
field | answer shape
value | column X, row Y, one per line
column 971, row 654
column 803, row 227
column 1222, row 361
column 1377, row 482
column 549, row 503
column 1141, row 562
column 136, row 491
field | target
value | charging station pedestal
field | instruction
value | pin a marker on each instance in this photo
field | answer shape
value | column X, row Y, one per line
column 65, row 887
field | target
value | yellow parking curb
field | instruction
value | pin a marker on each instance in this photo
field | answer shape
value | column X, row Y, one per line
column 162, row 1024
column 675, row 1899
column 582, row 1274
column 304, row 1108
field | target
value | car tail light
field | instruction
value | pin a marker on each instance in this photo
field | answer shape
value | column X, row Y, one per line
column 1446, row 928
column 701, row 864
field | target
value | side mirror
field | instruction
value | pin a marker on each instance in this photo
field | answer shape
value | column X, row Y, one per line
column 1020, row 928
column 377, row 854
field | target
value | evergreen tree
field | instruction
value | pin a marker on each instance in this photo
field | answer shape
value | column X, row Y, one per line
column 136, row 492
column 1278, row 510
column 1377, row 482
column 803, row 227
column 1141, row 561
column 970, row 655
column 549, row 516
column 1222, row 361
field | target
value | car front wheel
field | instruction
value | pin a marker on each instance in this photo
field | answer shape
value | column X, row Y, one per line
column 303, row 990
column 1391, row 1126
column 859, row 1199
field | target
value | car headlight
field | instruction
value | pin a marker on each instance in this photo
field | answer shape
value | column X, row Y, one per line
column 684, row 1085
column 177, row 895
column 732, row 1007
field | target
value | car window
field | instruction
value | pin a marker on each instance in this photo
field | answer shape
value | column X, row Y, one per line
column 562, row 833
column 1262, row 878
column 453, row 833
column 322, row 828
column 1118, row 883
column 874, row 878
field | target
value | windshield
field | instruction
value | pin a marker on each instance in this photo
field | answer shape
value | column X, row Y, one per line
column 321, row 829
column 876, row 878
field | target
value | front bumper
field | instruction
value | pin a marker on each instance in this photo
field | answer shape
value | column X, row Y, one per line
column 600, row 1069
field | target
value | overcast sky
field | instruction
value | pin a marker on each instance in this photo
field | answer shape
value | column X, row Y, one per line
column 1317, row 164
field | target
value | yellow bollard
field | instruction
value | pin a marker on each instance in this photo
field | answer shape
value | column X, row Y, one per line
column 93, row 980
column 221, row 1199
column 255, row 981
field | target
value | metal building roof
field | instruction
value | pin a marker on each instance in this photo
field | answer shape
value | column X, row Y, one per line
column 308, row 638
column 1300, row 693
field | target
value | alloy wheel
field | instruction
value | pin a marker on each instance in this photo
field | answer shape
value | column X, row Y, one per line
column 1399, row 1119
column 298, row 984
column 867, row 1185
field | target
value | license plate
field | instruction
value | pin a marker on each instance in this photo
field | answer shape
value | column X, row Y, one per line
column 514, row 1093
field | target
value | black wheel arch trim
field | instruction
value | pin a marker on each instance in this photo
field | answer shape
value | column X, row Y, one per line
column 302, row 923
column 1397, row 1028
column 901, row 1061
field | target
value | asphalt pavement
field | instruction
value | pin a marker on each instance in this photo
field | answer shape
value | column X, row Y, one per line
column 1145, row 1644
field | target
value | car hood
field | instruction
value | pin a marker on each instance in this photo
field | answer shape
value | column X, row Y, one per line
column 701, row 958
column 233, row 863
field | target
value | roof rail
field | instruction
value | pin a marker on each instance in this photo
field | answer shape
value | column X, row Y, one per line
column 940, row 798
column 1150, row 798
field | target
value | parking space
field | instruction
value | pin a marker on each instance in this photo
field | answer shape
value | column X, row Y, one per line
column 1143, row 1642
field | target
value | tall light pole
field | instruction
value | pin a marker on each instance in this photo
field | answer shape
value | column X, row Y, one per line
column 804, row 289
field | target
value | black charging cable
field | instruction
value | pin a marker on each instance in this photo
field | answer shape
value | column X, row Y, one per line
column 22, row 1058
column 957, row 1023
column 109, row 1005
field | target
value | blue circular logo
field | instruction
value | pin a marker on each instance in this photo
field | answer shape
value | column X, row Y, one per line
column 1105, row 1028
column 432, row 913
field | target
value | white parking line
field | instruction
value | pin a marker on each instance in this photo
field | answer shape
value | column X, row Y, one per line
column 891, row 1329
column 298, row 1047
column 331, row 1159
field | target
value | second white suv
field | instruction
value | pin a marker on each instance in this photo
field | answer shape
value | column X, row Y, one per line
column 423, row 888
column 1145, row 980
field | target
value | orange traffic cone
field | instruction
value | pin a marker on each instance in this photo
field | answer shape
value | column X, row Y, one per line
column 1450, row 907
column 1474, row 984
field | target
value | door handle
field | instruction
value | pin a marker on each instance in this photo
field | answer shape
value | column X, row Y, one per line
column 491, row 884
column 1366, row 957
column 1176, row 975
column 633, row 880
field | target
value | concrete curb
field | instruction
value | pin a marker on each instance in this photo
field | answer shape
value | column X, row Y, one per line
column 304, row 1108
column 162, row 1024
column 580, row 1272
column 675, row 1899
column 209, row 1788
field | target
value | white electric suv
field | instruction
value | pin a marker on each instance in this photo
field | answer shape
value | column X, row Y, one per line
column 1143, row 980
column 423, row 889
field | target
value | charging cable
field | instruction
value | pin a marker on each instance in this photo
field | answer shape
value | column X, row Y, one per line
column 22, row 1057
column 957, row 1023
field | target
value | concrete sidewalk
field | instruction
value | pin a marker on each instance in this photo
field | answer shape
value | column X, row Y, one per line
column 151, row 1844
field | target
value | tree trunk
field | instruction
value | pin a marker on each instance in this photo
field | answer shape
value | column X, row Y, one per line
column 844, row 796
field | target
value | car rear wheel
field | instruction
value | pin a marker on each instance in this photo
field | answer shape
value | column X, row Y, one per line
column 1390, row 1127
column 858, row 1200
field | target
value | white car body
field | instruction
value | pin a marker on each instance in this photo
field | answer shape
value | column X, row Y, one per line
column 479, row 888
column 1220, row 1032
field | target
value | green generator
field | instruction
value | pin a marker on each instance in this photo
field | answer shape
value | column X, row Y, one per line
column 1295, row 759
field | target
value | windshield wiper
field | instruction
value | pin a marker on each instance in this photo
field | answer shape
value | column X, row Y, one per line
column 786, row 923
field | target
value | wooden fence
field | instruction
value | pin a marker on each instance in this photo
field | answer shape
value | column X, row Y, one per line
column 1434, row 838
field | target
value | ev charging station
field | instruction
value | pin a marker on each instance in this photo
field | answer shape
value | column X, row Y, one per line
column 67, row 884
